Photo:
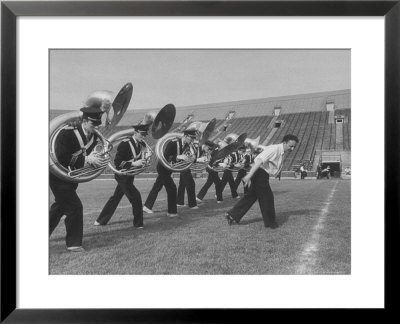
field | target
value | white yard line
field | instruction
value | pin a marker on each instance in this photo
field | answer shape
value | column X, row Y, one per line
column 308, row 256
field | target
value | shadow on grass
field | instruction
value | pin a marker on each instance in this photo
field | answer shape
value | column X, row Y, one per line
column 281, row 217
column 118, row 231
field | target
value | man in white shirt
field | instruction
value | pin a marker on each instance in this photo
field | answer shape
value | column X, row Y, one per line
column 268, row 162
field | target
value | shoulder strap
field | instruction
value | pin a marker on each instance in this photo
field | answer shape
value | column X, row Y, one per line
column 82, row 145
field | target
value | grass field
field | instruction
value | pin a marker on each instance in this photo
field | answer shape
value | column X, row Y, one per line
column 313, row 236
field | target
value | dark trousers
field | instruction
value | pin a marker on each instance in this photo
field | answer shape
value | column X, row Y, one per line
column 259, row 190
column 125, row 187
column 212, row 178
column 303, row 174
column 66, row 203
column 324, row 174
column 151, row 198
column 240, row 175
column 164, row 179
column 186, row 181
column 227, row 177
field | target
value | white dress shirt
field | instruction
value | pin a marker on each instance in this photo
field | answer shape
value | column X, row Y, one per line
column 271, row 158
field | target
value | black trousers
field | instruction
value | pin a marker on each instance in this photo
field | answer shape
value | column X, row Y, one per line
column 324, row 174
column 227, row 177
column 259, row 190
column 125, row 187
column 186, row 181
column 151, row 198
column 164, row 179
column 212, row 178
column 240, row 175
column 66, row 203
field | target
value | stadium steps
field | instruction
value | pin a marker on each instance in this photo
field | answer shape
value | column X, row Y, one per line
column 288, row 159
column 326, row 137
column 306, row 140
column 313, row 136
column 288, row 119
column 268, row 138
column 339, row 136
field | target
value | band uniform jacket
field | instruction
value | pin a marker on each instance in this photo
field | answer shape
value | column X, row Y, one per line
column 68, row 148
column 233, row 158
column 248, row 161
column 175, row 147
column 216, row 162
column 127, row 150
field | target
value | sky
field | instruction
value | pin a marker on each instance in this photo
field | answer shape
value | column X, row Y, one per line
column 193, row 77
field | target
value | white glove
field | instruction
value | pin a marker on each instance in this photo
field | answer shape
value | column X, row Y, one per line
column 182, row 157
column 138, row 163
column 224, row 165
column 238, row 165
column 95, row 160
column 202, row 159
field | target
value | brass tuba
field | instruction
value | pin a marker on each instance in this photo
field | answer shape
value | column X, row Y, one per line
column 160, row 149
column 225, row 151
column 251, row 144
column 160, row 122
column 203, row 130
column 88, row 173
column 230, row 138
column 225, row 125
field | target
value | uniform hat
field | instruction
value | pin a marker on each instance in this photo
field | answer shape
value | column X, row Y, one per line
column 209, row 144
column 92, row 114
column 96, row 104
column 143, row 128
column 190, row 132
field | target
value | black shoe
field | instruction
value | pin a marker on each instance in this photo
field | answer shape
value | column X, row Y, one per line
column 272, row 226
column 230, row 220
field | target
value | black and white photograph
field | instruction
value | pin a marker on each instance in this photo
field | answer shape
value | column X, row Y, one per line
column 200, row 161
column 166, row 159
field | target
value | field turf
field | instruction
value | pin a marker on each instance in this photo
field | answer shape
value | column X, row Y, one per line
column 313, row 236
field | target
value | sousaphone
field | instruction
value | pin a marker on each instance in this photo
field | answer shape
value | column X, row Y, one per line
column 160, row 122
column 225, row 151
column 203, row 129
column 87, row 173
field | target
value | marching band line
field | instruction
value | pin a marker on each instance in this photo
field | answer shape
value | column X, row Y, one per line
column 79, row 152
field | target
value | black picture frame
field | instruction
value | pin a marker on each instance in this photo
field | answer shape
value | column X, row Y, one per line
column 10, row 11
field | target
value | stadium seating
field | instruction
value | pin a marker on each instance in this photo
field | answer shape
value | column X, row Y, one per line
column 304, row 116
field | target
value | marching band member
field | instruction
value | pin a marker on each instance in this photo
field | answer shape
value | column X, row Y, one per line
column 268, row 162
column 130, row 154
column 176, row 150
column 212, row 175
column 227, row 177
column 247, row 162
column 74, row 149
column 187, row 182
column 245, row 159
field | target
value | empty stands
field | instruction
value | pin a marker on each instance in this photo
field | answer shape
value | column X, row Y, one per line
column 305, row 116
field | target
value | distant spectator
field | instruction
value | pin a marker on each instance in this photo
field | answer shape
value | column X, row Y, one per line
column 319, row 169
column 326, row 172
column 303, row 172
column 347, row 171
